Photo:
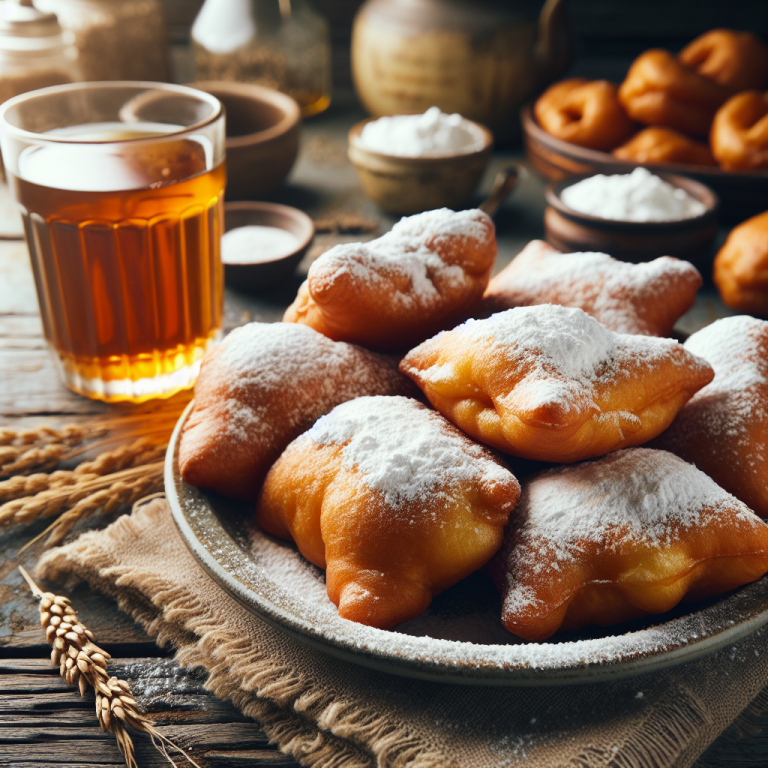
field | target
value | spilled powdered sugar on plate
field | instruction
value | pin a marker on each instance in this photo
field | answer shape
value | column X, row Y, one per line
column 612, row 291
column 406, row 257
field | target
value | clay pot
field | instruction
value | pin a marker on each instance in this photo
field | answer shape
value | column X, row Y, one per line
column 480, row 58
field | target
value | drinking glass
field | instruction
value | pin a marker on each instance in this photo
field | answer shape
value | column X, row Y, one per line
column 121, row 188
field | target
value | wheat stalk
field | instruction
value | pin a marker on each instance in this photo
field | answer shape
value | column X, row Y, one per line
column 136, row 453
column 72, row 434
column 17, row 459
column 83, row 663
column 83, row 499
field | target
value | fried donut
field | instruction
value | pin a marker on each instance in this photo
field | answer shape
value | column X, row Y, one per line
column 723, row 429
column 262, row 387
column 644, row 299
column 393, row 501
column 737, row 60
column 741, row 267
column 584, row 113
column 630, row 534
column 427, row 274
column 739, row 136
column 663, row 145
column 659, row 90
column 550, row 383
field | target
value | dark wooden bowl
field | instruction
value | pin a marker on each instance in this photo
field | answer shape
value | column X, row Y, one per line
column 691, row 239
column 261, row 275
column 262, row 136
column 741, row 194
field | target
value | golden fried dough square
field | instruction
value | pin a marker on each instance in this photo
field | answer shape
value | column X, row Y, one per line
column 428, row 273
column 552, row 384
column 394, row 501
column 259, row 389
column 644, row 298
column 630, row 534
column 723, row 429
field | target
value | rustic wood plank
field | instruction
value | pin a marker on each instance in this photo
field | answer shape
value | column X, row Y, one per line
column 44, row 721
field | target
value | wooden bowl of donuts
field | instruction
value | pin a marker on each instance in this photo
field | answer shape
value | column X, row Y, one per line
column 718, row 137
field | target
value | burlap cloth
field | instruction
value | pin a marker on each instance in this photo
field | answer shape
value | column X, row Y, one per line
column 327, row 713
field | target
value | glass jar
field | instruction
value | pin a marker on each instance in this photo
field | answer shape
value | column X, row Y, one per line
column 34, row 50
column 116, row 39
column 281, row 44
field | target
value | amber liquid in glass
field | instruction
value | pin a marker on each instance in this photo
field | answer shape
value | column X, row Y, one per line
column 126, row 259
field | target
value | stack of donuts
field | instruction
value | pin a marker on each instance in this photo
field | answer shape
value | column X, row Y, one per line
column 413, row 420
column 707, row 106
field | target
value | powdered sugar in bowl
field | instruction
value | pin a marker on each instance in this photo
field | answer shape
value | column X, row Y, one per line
column 413, row 163
column 635, row 217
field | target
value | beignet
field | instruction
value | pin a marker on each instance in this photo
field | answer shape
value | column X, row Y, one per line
column 259, row 389
column 739, row 135
column 659, row 90
column 630, row 534
column 584, row 112
column 627, row 298
column 393, row 501
column 741, row 267
column 737, row 60
column 723, row 430
column 428, row 273
column 664, row 145
column 552, row 384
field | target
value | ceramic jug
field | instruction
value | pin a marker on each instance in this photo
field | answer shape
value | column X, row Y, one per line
column 480, row 58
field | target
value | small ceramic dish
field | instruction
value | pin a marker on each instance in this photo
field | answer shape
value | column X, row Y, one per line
column 262, row 136
column 691, row 239
column 407, row 185
column 260, row 274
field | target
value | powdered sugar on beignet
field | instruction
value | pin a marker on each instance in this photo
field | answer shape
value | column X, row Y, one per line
column 410, row 463
column 724, row 427
column 427, row 273
column 629, row 534
column 263, row 386
column 643, row 298
column 393, row 500
column 551, row 383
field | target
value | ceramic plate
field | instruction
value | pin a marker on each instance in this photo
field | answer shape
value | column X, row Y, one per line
column 459, row 639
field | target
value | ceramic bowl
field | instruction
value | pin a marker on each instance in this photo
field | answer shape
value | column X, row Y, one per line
column 262, row 137
column 407, row 185
column 260, row 275
column 690, row 239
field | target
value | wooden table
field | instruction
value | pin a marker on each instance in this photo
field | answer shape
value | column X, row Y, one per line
column 45, row 723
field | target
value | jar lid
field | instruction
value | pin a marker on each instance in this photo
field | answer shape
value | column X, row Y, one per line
column 20, row 18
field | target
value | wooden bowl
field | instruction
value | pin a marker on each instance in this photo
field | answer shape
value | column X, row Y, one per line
column 742, row 195
column 262, row 136
column 691, row 239
column 407, row 185
column 260, row 275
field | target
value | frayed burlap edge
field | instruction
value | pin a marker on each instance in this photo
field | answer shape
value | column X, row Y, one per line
column 334, row 735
